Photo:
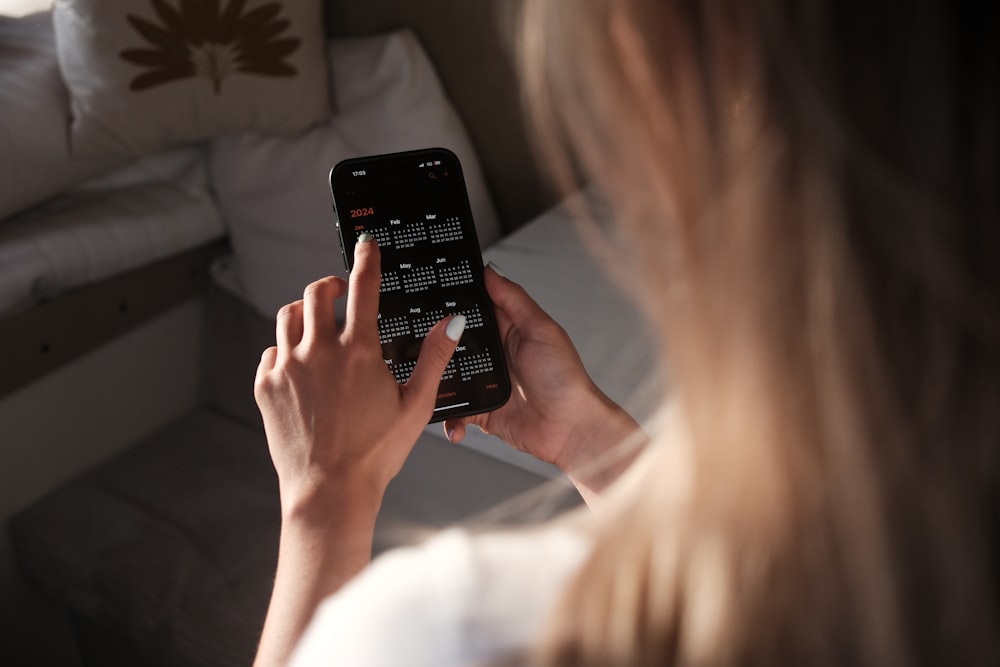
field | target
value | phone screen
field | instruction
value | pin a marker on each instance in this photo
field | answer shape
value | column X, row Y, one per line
column 416, row 206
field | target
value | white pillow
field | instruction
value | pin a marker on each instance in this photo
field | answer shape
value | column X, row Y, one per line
column 274, row 191
column 34, row 118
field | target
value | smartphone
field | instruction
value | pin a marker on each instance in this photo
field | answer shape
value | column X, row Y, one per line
column 416, row 206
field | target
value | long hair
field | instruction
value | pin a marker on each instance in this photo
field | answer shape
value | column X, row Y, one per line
column 811, row 192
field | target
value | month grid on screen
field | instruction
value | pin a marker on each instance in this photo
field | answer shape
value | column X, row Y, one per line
column 423, row 323
column 456, row 275
column 403, row 370
column 474, row 364
column 473, row 318
column 393, row 327
column 419, row 279
column 390, row 282
column 448, row 230
column 449, row 371
column 382, row 236
column 410, row 235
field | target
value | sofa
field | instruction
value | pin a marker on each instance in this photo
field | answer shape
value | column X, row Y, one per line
column 164, row 554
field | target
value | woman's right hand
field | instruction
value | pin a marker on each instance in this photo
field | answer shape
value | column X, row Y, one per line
column 555, row 412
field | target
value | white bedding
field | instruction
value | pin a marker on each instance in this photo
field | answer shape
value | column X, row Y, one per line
column 105, row 228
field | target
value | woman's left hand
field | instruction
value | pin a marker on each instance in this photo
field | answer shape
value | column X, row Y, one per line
column 333, row 412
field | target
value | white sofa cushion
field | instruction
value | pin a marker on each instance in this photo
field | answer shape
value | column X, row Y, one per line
column 106, row 227
column 34, row 118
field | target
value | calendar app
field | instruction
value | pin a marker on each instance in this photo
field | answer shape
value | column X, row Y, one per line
column 416, row 208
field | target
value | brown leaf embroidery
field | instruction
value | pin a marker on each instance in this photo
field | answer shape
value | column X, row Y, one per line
column 196, row 39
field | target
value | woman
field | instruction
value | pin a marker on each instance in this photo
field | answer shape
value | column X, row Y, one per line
column 810, row 192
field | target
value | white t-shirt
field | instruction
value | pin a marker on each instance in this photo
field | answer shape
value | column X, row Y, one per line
column 459, row 599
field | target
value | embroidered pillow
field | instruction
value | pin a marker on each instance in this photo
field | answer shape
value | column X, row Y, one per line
column 146, row 74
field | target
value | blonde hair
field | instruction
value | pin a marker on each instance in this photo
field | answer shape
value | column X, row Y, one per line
column 809, row 191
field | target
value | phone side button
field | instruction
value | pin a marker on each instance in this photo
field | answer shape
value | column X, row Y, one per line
column 343, row 252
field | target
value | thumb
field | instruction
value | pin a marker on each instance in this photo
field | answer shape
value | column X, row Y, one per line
column 455, row 428
column 512, row 300
column 435, row 353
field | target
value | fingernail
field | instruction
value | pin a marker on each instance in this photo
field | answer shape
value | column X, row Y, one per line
column 450, row 432
column 364, row 237
column 455, row 327
column 496, row 269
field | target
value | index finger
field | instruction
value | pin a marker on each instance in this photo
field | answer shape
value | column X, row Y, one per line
column 362, row 295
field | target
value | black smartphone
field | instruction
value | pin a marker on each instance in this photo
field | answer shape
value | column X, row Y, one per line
column 416, row 206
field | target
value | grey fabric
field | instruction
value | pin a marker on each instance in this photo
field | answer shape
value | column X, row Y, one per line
column 173, row 544
column 234, row 337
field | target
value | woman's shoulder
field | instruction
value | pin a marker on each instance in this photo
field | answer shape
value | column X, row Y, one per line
column 459, row 597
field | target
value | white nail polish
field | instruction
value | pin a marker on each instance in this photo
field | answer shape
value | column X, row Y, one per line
column 496, row 269
column 455, row 327
column 364, row 237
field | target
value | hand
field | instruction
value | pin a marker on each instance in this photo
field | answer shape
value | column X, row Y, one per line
column 555, row 412
column 333, row 412
column 339, row 428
